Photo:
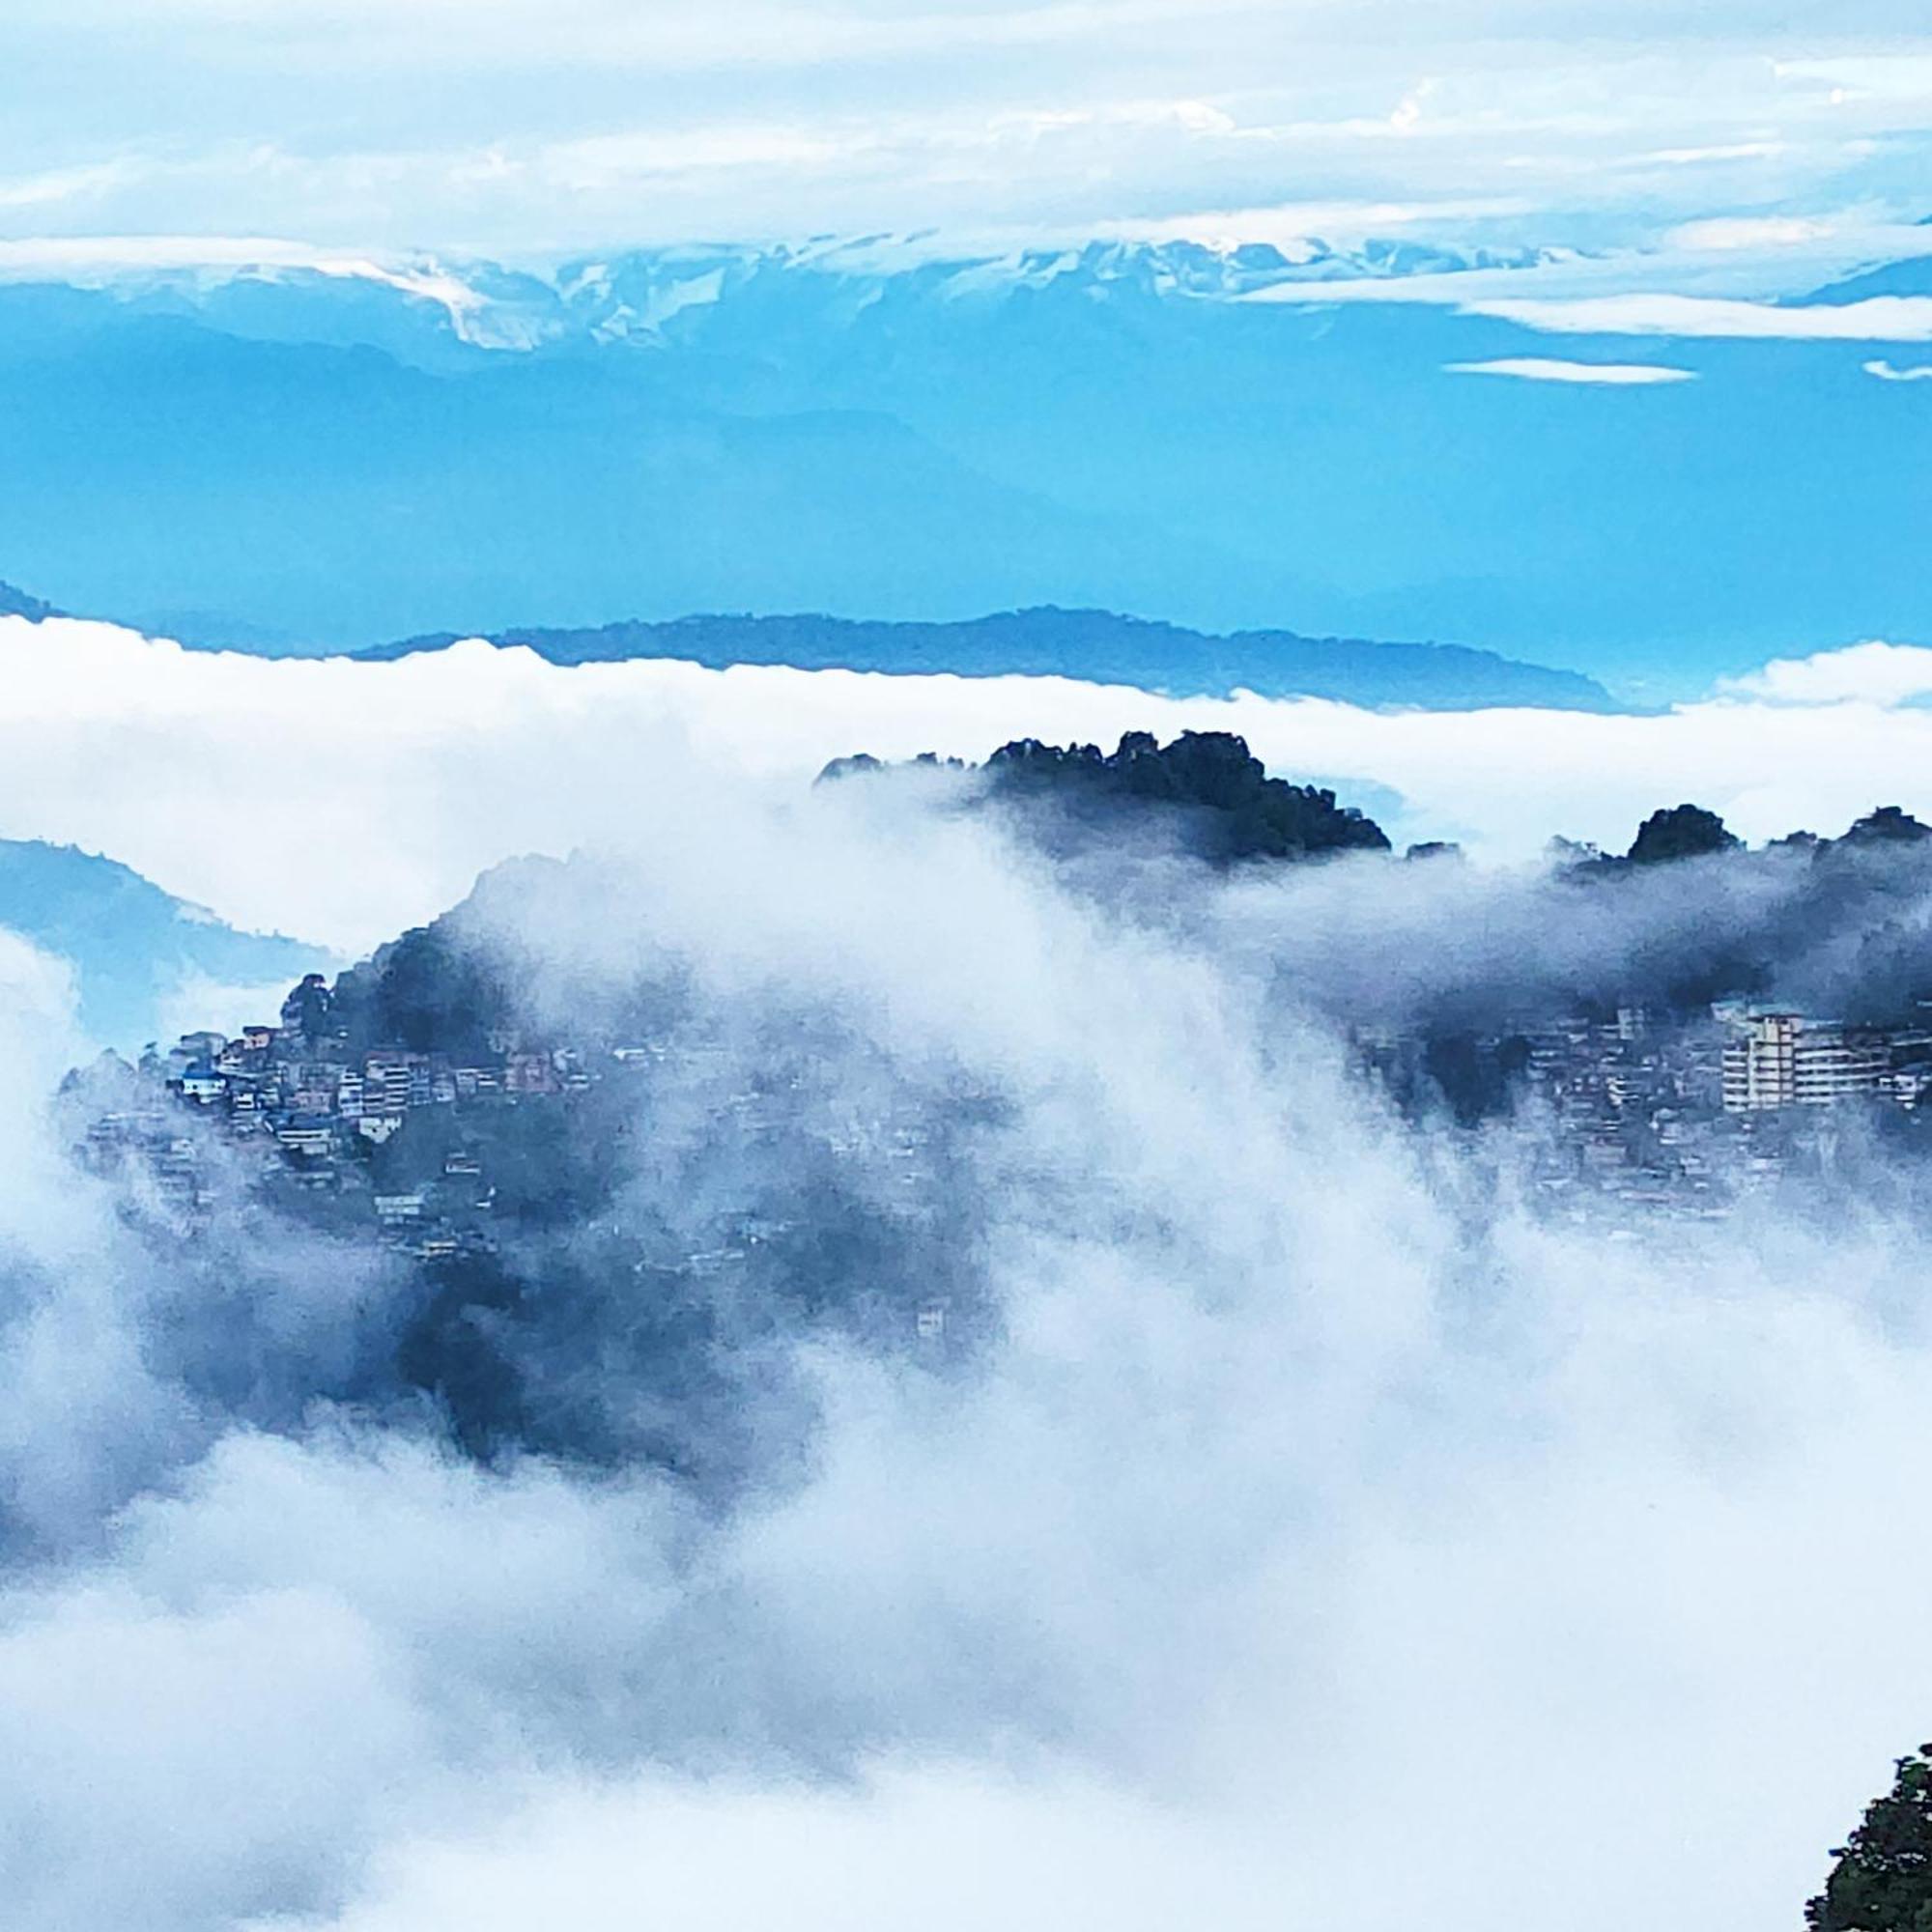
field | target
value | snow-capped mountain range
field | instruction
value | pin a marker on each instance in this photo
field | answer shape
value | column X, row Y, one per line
column 654, row 296
column 640, row 297
column 1508, row 449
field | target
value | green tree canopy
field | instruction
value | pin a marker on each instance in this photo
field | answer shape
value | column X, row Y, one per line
column 1684, row 832
column 1883, row 1878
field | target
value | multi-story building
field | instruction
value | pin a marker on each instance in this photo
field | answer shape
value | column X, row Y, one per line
column 1761, row 1062
column 386, row 1083
column 1834, row 1063
column 1783, row 1060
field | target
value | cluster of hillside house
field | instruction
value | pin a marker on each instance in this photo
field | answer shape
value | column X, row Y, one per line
column 281, row 1110
column 1685, row 1112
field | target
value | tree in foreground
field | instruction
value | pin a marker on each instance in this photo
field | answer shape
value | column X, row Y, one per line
column 1883, row 1880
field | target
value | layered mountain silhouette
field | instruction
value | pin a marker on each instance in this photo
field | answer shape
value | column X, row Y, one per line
column 15, row 603
column 1096, row 645
column 131, row 946
column 284, row 459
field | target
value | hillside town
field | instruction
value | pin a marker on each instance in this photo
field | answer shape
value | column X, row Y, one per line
column 275, row 1106
column 421, row 1150
column 1690, row 1114
column 439, row 1154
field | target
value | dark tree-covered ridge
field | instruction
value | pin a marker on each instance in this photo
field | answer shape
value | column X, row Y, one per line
column 1681, row 832
column 1232, row 807
column 1208, row 784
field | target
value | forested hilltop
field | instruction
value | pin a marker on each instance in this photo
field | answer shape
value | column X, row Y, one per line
column 15, row 603
column 1206, row 789
column 581, row 1187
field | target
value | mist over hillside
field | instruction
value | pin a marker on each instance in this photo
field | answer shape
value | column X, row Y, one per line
column 944, row 1327
column 614, row 1192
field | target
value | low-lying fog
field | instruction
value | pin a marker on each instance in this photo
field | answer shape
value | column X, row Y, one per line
column 342, row 801
column 1312, row 1536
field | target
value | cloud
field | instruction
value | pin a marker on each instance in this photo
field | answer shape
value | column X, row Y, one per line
column 67, row 185
column 1291, row 226
column 93, row 260
column 430, row 769
column 1868, row 673
column 1749, row 231
column 1746, row 231
column 1300, row 1449
column 1875, row 318
column 433, row 125
column 1312, row 1507
column 1903, row 73
column 1888, row 372
column 195, row 1001
column 1543, row 369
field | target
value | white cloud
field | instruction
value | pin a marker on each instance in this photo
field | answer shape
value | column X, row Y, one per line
column 196, row 1002
column 1291, row 226
column 1876, row 318
column 1891, row 372
column 417, row 774
column 1749, row 231
column 95, row 260
column 1726, row 232
column 1732, row 263
column 445, row 125
column 1868, row 673
column 1902, row 74
column 60, row 185
column 1544, row 369
column 1303, row 1453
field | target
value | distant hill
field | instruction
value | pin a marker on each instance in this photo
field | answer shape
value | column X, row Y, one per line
column 283, row 460
column 1912, row 276
column 15, row 603
column 1097, row 646
column 1208, row 786
column 129, row 943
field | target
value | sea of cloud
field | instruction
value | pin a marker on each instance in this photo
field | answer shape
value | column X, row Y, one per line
column 1320, row 1537
column 341, row 802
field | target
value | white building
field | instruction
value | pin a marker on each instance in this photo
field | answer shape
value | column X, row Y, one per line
column 201, row 1084
column 1761, row 1062
column 1834, row 1063
column 308, row 1136
column 1783, row 1060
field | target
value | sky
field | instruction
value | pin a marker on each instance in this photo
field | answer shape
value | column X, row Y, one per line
column 1782, row 129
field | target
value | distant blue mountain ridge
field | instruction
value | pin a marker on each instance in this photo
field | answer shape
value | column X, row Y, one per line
column 288, row 460
column 130, row 944
column 1097, row 646
column 15, row 603
column 1895, row 278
